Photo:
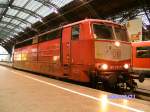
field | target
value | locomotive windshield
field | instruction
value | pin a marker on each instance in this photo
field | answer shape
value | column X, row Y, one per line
column 102, row 31
column 121, row 34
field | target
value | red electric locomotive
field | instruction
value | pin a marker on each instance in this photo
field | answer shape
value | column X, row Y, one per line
column 141, row 57
column 90, row 50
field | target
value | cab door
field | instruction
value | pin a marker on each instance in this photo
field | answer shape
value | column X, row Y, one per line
column 70, row 47
column 66, row 55
column 66, row 37
column 75, row 49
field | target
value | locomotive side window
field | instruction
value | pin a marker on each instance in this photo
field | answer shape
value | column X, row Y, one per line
column 50, row 36
column 143, row 52
column 25, row 43
column 75, row 32
column 121, row 34
column 102, row 31
column 28, row 42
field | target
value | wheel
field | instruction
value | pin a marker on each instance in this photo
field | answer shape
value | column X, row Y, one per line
column 141, row 78
column 93, row 81
column 131, row 86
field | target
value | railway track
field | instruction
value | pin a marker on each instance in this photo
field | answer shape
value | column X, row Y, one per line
column 143, row 94
column 143, row 90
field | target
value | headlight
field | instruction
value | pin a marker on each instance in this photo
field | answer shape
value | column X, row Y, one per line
column 126, row 66
column 104, row 66
column 117, row 43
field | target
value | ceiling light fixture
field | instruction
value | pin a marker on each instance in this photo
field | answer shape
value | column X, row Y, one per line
column 11, row 37
column 55, row 10
column 40, row 20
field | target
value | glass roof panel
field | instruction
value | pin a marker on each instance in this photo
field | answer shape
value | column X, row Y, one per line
column 23, row 25
column 20, row 3
column 44, row 11
column 1, row 24
column 32, row 19
column 7, row 28
column 6, row 19
column 10, row 27
column 3, row 1
column 60, row 3
column 22, row 15
column 33, row 5
column 12, row 12
column 15, row 21
column 18, row 30
column 1, row 10
column 3, row 32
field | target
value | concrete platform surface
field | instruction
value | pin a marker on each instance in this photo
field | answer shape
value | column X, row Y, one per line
column 25, row 92
column 145, row 85
column 9, row 64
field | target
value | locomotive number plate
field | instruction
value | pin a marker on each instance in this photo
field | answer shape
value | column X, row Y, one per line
column 116, row 53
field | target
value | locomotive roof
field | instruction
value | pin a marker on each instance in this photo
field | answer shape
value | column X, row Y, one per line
column 78, row 22
column 91, row 20
column 71, row 24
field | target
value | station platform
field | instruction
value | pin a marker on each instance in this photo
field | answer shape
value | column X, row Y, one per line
column 26, row 92
column 8, row 64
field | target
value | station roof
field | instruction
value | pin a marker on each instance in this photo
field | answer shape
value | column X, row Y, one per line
column 21, row 19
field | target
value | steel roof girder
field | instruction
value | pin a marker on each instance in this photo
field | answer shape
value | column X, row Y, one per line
column 9, row 29
column 18, row 28
column 6, row 31
column 12, row 24
column 4, row 5
column 26, row 11
column 21, row 9
column 17, row 18
column 48, row 3
column 2, row 37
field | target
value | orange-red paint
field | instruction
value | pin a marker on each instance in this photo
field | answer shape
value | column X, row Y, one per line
column 65, row 57
column 140, row 63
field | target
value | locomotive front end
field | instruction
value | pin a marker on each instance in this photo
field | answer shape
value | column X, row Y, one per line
column 112, row 54
column 112, row 60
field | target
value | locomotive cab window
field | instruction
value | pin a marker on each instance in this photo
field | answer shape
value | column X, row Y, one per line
column 75, row 32
column 102, row 31
column 121, row 34
column 143, row 52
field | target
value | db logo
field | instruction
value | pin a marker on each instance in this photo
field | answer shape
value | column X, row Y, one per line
column 116, row 53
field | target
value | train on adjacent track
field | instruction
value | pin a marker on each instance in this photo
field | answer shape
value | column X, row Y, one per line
column 93, row 51
column 141, row 58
